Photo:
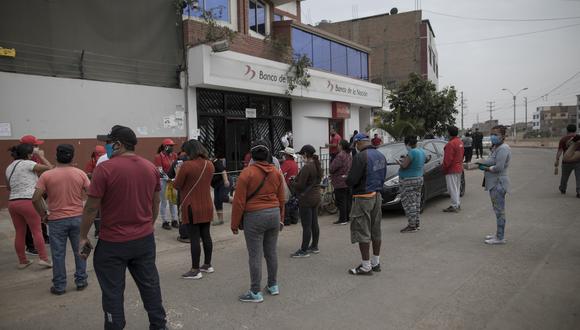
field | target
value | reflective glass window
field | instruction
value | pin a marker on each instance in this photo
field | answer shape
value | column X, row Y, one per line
column 278, row 18
column 257, row 16
column 338, row 61
column 301, row 43
column 320, row 53
column 353, row 57
column 364, row 63
column 219, row 9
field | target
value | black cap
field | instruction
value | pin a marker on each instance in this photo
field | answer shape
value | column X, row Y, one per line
column 307, row 149
column 120, row 133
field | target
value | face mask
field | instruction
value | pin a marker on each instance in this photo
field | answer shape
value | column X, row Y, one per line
column 109, row 149
column 35, row 150
column 168, row 150
column 494, row 140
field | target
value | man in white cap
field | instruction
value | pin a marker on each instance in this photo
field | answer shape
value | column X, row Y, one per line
column 289, row 169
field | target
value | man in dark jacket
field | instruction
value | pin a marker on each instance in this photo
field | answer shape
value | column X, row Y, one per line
column 478, row 143
column 366, row 178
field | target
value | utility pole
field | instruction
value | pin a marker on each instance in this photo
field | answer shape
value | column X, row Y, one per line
column 491, row 104
column 526, row 104
column 461, row 111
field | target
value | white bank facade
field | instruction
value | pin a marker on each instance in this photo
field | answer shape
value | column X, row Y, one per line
column 233, row 99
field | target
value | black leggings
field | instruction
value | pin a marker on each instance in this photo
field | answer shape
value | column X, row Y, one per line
column 197, row 231
column 310, row 228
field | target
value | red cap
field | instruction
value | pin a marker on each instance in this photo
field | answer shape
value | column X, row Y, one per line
column 31, row 139
column 100, row 150
column 168, row 142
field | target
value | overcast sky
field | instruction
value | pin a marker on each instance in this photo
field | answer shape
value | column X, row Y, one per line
column 539, row 61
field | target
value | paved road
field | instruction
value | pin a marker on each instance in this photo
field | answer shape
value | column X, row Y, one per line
column 443, row 277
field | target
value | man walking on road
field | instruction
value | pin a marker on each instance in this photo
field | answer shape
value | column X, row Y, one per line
column 126, row 188
column 65, row 186
column 478, row 143
column 366, row 178
column 453, row 168
column 568, row 166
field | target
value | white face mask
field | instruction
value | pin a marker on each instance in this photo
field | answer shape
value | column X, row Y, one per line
column 35, row 150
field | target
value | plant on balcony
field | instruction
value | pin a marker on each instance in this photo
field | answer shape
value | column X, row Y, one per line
column 298, row 74
column 214, row 31
column 280, row 46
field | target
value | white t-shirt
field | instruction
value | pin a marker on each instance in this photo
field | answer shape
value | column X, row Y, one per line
column 101, row 159
column 23, row 181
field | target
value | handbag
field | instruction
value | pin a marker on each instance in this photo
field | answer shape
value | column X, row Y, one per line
column 170, row 193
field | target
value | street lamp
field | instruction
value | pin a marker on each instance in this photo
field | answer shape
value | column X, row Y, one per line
column 514, row 97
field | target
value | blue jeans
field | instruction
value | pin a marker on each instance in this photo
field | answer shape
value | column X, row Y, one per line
column 164, row 203
column 60, row 231
column 497, row 195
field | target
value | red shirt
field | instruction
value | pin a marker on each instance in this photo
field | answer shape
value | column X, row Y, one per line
column 453, row 156
column 125, row 185
column 65, row 188
column 164, row 160
column 334, row 140
column 290, row 169
column 376, row 141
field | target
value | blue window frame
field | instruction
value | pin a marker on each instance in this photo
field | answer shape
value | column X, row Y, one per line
column 219, row 9
column 329, row 55
column 339, row 62
column 257, row 16
column 321, row 53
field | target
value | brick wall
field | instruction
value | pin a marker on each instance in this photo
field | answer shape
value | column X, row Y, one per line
column 195, row 31
column 394, row 41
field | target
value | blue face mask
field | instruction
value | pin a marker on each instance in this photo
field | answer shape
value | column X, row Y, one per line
column 109, row 149
column 494, row 140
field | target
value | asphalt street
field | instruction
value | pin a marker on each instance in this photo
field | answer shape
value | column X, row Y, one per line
column 443, row 277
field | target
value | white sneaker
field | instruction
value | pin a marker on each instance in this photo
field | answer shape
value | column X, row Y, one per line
column 490, row 236
column 493, row 241
column 46, row 264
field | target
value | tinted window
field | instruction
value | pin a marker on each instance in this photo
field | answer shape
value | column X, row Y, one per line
column 430, row 150
column 257, row 16
column 321, row 53
column 278, row 18
column 439, row 147
column 338, row 53
column 354, row 69
column 301, row 43
column 219, row 9
column 393, row 151
column 364, row 60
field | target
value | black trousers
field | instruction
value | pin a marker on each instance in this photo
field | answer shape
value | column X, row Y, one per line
column 468, row 153
column 111, row 261
column 28, row 240
column 310, row 228
column 478, row 150
column 197, row 232
column 343, row 202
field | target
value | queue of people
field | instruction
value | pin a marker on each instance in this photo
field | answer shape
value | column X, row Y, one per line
column 127, row 191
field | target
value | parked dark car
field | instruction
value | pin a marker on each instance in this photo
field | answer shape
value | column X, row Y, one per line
column 434, row 179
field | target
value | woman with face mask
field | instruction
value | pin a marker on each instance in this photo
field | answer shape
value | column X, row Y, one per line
column 163, row 160
column 497, row 181
column 411, row 182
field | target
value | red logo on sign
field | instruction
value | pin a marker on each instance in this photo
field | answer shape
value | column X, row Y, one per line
column 250, row 72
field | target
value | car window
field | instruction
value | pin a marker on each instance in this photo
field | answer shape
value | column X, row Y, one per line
column 439, row 146
column 393, row 151
column 430, row 150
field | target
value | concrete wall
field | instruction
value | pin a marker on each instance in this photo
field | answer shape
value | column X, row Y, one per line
column 57, row 108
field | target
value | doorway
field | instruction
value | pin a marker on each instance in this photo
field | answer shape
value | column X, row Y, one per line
column 338, row 125
column 237, row 142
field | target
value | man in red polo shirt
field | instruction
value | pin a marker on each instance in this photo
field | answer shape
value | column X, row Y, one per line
column 126, row 190
column 453, row 168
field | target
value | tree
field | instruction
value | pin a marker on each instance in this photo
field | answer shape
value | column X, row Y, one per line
column 417, row 107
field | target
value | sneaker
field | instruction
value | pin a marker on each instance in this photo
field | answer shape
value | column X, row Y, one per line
column 376, row 268
column 418, row 227
column 313, row 250
column 338, row 222
column 452, row 209
column 360, row 271
column 183, row 239
column 174, row 224
column 166, row 225
column 192, row 275
column 217, row 223
column 490, row 236
column 31, row 252
column 578, row 195
column 56, row 292
column 24, row 265
column 252, row 297
column 300, row 254
column 45, row 263
column 206, row 269
column 494, row 241
column 409, row 229
column 563, row 192
column 273, row 290
column 81, row 286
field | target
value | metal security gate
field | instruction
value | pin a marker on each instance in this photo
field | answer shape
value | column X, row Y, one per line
column 225, row 130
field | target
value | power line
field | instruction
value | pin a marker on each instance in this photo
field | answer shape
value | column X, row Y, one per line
column 503, row 19
column 556, row 88
column 509, row 35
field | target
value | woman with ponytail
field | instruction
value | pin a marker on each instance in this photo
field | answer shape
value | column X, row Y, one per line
column 307, row 188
